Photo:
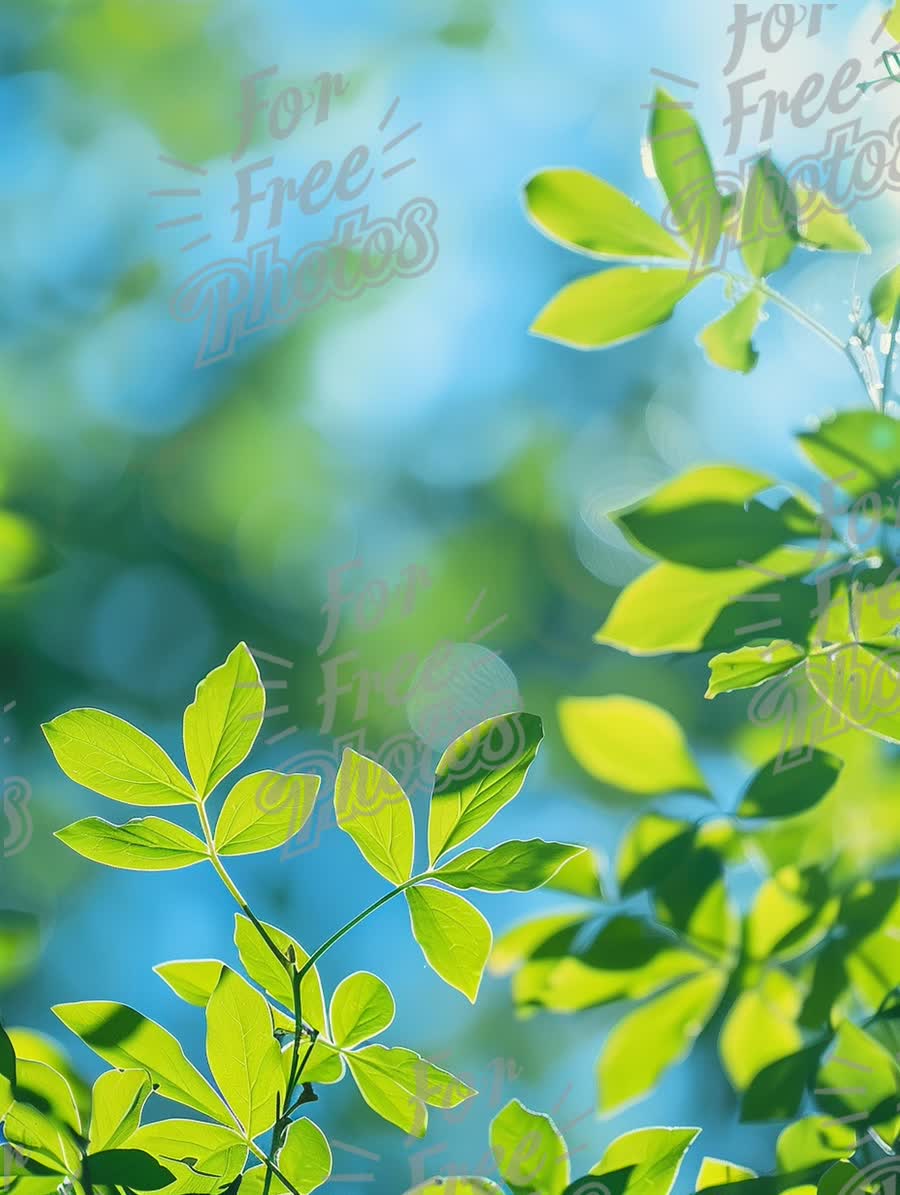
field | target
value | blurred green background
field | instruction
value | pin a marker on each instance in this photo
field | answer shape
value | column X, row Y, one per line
column 159, row 513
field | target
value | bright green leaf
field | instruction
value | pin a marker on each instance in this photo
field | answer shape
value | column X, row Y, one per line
column 454, row 936
column 581, row 876
column 375, row 811
column 751, row 666
column 645, row 1043
column 683, row 167
column 131, row 1168
column 263, row 811
column 645, row 1161
column 860, row 1076
column 728, row 341
column 362, row 1007
column 716, row 1173
column 477, row 776
column 813, row 1140
column 456, row 1185
column 126, row 1039
column 222, row 722
column 384, row 1095
column 858, row 450
column 305, row 1157
column 630, row 744
column 142, row 844
column 768, row 220
column 791, row 913
column 529, row 1151
column 511, row 867
column 429, row 1084
column 194, row 980
column 117, row 1100
column 760, row 1028
column 861, row 683
column 115, row 759
column 197, row 1153
column 243, row 1055
column 613, row 306
column 584, row 212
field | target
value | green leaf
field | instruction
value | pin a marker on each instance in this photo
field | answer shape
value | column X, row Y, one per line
column 751, row 666
column 375, row 811
column 683, row 167
column 194, row 980
column 645, row 1043
column 222, row 722
column 581, row 876
column 859, row 450
column 646, row 1161
column 728, row 341
column 43, row 1088
column 860, row 1076
column 126, row 1039
column 768, row 220
column 200, row 1155
column 583, row 212
column 263, row 968
column 385, row 1095
column 761, row 1027
column 529, row 1151
column 650, row 850
column 362, row 1007
column 142, row 844
column 324, row 1065
column 693, row 899
column 117, row 1100
column 519, row 943
column 781, row 792
column 115, row 759
column 837, row 1180
column 627, row 958
column 886, row 295
column 39, row 1048
column 243, row 1055
column 861, row 683
column 129, row 1168
column 305, row 1157
column 477, row 776
column 823, row 226
column 776, row 1090
column 675, row 608
column 706, row 518
column 429, row 1084
column 42, row 1139
column 814, row 1140
column 511, row 867
column 791, row 913
column 614, row 306
column 455, row 938
column 630, row 744
column 716, row 1173
column 263, row 811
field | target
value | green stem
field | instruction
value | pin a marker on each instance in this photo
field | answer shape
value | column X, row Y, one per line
column 273, row 1169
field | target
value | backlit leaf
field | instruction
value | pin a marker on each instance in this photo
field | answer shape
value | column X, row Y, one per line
column 751, row 666
column 813, row 1140
column 613, row 306
column 194, row 980
column 823, row 226
column 243, row 1055
column 511, row 867
column 222, row 722
column 142, row 844
column 126, row 1039
column 305, row 1157
column 264, row 968
column 362, row 1007
column 761, row 1027
column 263, row 811
column 645, row 1043
column 646, row 1161
column 116, row 1103
column 728, row 341
column 115, row 759
column 199, row 1154
column 583, row 212
column 630, row 744
column 529, row 1150
column 454, row 936
column 477, row 776
column 783, row 792
column 768, row 220
column 683, row 167
column 858, row 450
column 375, row 811
column 885, row 296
